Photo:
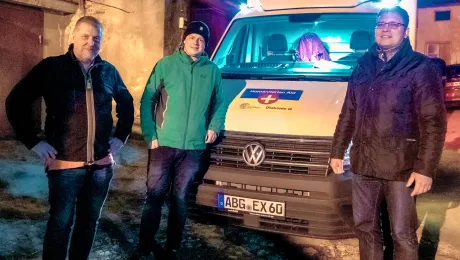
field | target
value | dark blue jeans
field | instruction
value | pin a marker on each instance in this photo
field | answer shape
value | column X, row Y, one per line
column 167, row 168
column 84, row 189
column 369, row 194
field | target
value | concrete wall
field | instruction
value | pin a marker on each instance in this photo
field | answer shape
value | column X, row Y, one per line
column 429, row 30
column 133, row 39
column 53, row 42
column 54, row 33
column 21, row 29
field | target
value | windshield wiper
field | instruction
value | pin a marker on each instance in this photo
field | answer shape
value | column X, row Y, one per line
column 285, row 77
column 307, row 78
column 239, row 76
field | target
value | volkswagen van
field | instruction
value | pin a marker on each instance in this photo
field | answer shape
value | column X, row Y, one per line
column 285, row 66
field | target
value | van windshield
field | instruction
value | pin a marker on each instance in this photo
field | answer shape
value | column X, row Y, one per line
column 294, row 46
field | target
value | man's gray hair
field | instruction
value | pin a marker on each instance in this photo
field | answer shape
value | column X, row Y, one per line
column 91, row 20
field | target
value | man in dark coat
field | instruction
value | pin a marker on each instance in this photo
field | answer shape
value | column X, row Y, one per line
column 394, row 113
column 78, row 88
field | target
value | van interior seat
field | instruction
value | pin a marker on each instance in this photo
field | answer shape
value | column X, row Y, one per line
column 360, row 42
column 277, row 49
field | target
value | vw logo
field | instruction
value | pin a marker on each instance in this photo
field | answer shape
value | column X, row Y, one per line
column 254, row 154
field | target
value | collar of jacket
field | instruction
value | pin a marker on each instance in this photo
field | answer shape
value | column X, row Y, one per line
column 188, row 60
column 398, row 63
column 98, row 60
column 383, row 54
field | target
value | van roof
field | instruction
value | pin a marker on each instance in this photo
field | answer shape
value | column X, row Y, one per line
column 277, row 7
column 270, row 5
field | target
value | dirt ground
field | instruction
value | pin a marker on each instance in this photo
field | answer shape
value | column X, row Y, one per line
column 23, row 215
column 24, row 206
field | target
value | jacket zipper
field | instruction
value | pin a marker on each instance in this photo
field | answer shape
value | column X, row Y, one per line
column 164, row 112
column 91, row 122
column 90, row 113
column 189, row 101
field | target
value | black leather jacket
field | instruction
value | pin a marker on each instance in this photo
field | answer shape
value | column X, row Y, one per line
column 78, row 107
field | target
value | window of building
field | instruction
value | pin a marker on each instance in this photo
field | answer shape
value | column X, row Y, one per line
column 442, row 16
column 438, row 50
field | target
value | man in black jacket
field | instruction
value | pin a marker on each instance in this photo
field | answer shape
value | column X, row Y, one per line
column 394, row 112
column 78, row 89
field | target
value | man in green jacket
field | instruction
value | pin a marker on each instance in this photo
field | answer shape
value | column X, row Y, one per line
column 182, row 110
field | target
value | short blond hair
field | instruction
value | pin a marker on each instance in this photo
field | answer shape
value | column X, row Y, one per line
column 91, row 20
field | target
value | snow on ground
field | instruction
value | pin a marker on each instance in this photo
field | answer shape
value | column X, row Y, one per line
column 24, row 206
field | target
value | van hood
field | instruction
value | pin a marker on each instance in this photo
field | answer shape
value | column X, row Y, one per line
column 307, row 108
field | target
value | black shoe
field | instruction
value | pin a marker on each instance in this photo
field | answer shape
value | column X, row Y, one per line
column 158, row 251
column 140, row 256
column 172, row 254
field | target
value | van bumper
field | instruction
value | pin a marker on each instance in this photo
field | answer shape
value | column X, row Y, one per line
column 315, row 206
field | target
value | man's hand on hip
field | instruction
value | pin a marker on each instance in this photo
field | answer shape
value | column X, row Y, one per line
column 153, row 144
column 45, row 151
column 422, row 183
column 211, row 136
column 337, row 165
column 115, row 145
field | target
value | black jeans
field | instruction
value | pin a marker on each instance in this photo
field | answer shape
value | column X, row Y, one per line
column 168, row 167
column 86, row 188
column 369, row 194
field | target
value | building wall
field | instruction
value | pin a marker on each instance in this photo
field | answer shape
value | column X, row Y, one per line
column 21, row 29
column 216, row 19
column 54, row 33
column 133, row 39
column 429, row 30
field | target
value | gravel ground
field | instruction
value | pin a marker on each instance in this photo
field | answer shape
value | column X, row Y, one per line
column 23, row 215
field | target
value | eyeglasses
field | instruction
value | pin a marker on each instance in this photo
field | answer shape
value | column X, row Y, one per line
column 391, row 25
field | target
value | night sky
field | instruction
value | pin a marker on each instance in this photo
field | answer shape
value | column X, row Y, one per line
column 429, row 3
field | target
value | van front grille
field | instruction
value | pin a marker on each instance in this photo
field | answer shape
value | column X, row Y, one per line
column 283, row 154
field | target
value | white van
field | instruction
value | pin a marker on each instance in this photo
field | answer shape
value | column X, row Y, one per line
column 285, row 66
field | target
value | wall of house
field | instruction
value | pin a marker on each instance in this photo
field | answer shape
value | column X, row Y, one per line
column 21, row 29
column 133, row 39
column 217, row 15
column 429, row 30
column 54, row 33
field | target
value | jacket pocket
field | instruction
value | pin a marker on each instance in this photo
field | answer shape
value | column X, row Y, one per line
column 161, row 107
column 399, row 97
column 397, row 154
column 103, row 94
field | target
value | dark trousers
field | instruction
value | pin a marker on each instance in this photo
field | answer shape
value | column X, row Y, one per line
column 167, row 168
column 83, row 189
column 369, row 194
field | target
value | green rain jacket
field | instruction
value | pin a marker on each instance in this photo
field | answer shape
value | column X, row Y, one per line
column 181, row 101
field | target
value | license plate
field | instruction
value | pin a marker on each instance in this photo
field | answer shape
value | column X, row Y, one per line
column 254, row 206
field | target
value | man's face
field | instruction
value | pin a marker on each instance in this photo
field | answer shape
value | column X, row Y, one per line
column 390, row 30
column 194, row 45
column 87, row 42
